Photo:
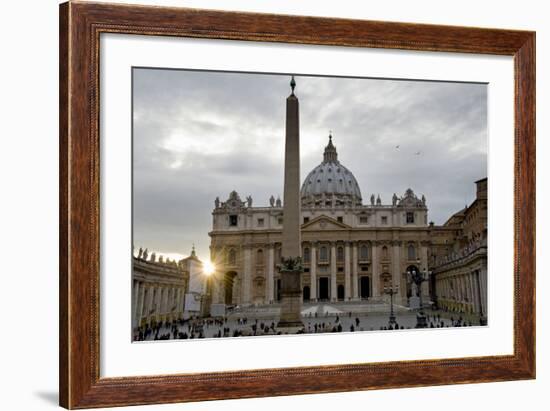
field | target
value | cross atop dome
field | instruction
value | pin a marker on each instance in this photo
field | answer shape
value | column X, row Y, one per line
column 330, row 155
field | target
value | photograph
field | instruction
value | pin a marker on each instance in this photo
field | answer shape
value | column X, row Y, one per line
column 270, row 204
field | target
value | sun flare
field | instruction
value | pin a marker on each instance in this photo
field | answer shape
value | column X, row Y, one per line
column 208, row 268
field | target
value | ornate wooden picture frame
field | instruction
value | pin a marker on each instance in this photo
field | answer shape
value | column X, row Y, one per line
column 80, row 27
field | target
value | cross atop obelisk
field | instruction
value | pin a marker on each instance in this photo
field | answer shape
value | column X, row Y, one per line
column 291, row 267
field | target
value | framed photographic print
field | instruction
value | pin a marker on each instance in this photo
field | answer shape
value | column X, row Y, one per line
column 260, row 205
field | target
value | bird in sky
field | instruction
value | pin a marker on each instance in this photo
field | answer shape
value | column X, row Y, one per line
column 417, row 153
column 397, row 147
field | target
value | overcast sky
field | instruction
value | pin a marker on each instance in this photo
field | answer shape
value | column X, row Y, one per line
column 198, row 135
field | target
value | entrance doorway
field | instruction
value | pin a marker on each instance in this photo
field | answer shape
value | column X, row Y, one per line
column 323, row 288
column 306, row 293
column 365, row 288
column 341, row 293
column 228, row 282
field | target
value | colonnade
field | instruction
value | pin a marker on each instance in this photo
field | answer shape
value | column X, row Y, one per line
column 154, row 302
column 463, row 290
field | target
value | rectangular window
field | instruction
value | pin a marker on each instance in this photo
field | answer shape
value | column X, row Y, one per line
column 339, row 254
column 323, row 254
column 340, row 219
column 306, row 220
column 233, row 220
column 384, row 220
column 410, row 217
column 340, row 269
column 260, row 222
column 363, row 220
column 280, row 220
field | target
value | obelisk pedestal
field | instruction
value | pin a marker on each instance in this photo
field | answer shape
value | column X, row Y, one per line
column 291, row 267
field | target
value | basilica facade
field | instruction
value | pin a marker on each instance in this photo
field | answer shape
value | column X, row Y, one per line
column 351, row 251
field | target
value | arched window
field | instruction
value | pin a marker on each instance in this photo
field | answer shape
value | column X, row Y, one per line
column 364, row 252
column 232, row 257
column 260, row 257
column 340, row 254
column 323, row 254
column 411, row 252
column 307, row 255
column 385, row 253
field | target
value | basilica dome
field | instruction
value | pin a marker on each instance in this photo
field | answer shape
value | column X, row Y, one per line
column 330, row 181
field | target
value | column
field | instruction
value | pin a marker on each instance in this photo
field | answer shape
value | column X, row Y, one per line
column 270, row 280
column 475, row 292
column 355, row 280
column 171, row 300
column 475, row 284
column 375, row 272
column 182, row 300
column 333, row 289
column 135, row 297
column 347, row 266
column 313, row 271
column 461, row 282
column 176, row 302
column 139, row 308
column 424, row 266
column 247, row 275
column 158, row 295
column 483, row 290
column 396, row 268
column 150, row 301
column 164, row 301
column 471, row 298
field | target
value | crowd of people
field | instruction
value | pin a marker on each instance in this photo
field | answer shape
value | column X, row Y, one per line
column 243, row 326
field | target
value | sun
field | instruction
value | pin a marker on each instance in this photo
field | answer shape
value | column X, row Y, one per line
column 208, row 268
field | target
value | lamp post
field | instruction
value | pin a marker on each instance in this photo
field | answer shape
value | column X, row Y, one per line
column 391, row 291
column 418, row 277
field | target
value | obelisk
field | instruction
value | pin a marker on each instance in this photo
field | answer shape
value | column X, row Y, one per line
column 291, row 264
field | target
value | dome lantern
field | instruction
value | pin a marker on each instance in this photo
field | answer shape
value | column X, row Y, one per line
column 330, row 154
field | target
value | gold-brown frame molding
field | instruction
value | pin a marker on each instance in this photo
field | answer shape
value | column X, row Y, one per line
column 81, row 24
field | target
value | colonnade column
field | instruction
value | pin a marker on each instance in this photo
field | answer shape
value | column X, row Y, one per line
column 164, row 300
column 139, row 310
column 270, row 268
column 347, row 280
column 313, row 272
column 483, row 290
column 375, row 272
column 333, row 290
column 475, row 291
column 396, row 268
column 158, row 300
column 471, row 299
column 355, row 280
column 149, row 302
column 247, row 275
column 135, row 297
